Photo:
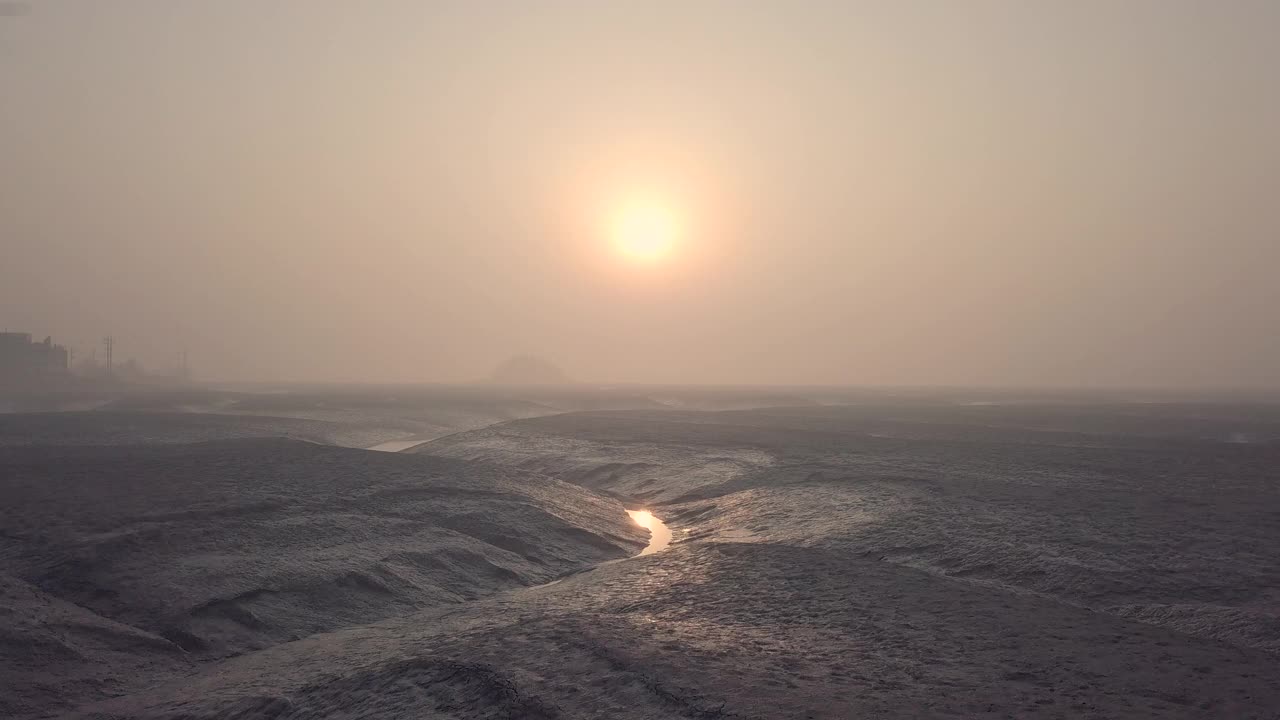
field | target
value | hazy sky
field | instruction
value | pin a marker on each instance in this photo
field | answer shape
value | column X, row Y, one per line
column 1081, row 192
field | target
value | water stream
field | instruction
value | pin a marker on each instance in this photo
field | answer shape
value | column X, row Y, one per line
column 396, row 445
column 659, row 533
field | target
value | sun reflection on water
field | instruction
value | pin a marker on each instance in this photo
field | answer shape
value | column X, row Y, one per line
column 659, row 533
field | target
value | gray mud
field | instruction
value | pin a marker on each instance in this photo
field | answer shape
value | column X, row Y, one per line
column 201, row 552
column 885, row 560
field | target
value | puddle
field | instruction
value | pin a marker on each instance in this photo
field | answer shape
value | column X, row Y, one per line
column 659, row 533
column 396, row 445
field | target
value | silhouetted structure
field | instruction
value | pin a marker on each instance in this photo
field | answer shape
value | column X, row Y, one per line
column 22, row 360
column 528, row 370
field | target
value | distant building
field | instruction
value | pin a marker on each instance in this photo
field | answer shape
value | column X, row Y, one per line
column 22, row 360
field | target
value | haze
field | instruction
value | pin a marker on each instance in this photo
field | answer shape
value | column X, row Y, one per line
column 1006, row 193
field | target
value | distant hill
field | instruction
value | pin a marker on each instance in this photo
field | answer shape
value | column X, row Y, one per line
column 528, row 370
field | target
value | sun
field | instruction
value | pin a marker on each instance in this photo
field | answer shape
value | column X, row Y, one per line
column 645, row 231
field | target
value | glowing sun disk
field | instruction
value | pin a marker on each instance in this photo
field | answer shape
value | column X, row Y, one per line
column 645, row 232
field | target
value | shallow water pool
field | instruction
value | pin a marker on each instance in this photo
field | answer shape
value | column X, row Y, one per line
column 659, row 533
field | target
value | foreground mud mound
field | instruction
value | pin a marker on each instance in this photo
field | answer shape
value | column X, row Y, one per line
column 53, row 651
column 731, row 630
column 197, row 552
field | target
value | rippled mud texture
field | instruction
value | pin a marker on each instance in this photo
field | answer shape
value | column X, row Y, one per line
column 746, row 631
column 1151, row 513
column 882, row 561
column 198, row 552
